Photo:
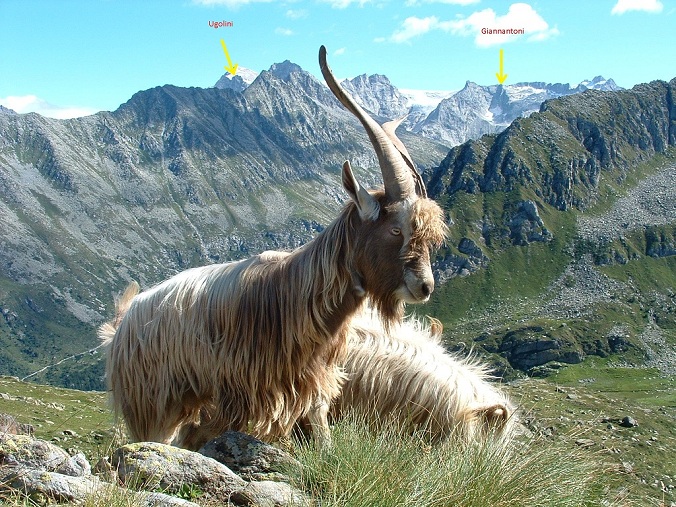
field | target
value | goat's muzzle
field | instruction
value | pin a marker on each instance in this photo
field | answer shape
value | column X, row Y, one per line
column 417, row 287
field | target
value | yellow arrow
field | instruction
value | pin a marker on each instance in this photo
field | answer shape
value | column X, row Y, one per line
column 232, row 69
column 501, row 75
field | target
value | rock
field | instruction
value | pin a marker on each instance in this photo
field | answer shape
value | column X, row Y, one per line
column 150, row 465
column 628, row 422
column 532, row 346
column 585, row 442
column 526, row 226
column 50, row 485
column 41, row 455
column 47, row 487
column 10, row 425
column 545, row 370
column 251, row 458
column 45, row 473
column 271, row 494
column 144, row 499
column 451, row 265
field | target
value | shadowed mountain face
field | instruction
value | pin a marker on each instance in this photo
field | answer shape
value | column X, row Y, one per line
column 178, row 177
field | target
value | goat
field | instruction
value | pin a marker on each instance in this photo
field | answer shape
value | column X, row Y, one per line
column 405, row 373
column 255, row 344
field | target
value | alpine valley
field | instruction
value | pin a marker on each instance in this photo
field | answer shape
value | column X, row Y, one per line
column 562, row 204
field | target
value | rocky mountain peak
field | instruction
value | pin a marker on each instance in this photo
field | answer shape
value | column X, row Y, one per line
column 377, row 94
column 470, row 85
column 285, row 69
column 599, row 83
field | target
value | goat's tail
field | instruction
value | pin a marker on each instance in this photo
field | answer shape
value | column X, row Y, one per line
column 107, row 331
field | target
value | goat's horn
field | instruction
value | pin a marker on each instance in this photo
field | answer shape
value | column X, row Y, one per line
column 397, row 177
column 390, row 128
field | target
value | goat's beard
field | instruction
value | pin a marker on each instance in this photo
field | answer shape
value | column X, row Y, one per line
column 390, row 309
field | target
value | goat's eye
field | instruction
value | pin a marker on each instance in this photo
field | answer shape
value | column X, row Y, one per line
column 395, row 231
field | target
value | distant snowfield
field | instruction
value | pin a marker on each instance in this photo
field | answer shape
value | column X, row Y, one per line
column 426, row 99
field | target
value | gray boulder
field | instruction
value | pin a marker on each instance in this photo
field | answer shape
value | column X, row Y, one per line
column 151, row 465
column 271, row 494
column 41, row 455
column 250, row 458
column 155, row 475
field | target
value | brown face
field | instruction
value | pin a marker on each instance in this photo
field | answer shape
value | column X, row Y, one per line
column 394, row 257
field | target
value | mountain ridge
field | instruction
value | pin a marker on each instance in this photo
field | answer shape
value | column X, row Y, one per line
column 444, row 116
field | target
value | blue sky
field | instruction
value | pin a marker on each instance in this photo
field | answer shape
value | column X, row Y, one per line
column 72, row 57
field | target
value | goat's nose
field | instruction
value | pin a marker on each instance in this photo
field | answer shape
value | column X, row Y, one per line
column 427, row 288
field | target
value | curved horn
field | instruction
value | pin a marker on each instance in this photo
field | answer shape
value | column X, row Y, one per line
column 397, row 177
column 390, row 128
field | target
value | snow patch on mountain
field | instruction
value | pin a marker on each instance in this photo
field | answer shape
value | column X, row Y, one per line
column 239, row 82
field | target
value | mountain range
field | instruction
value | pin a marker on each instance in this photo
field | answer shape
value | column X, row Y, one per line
column 450, row 117
column 178, row 177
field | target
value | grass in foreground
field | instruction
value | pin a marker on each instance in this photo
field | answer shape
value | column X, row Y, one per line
column 387, row 469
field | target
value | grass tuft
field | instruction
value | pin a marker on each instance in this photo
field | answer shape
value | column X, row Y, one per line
column 388, row 468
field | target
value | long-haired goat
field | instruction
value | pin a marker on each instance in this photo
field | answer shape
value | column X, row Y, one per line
column 404, row 372
column 254, row 345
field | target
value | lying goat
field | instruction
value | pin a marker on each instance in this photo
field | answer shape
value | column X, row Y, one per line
column 407, row 374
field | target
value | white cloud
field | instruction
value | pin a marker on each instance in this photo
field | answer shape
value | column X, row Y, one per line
column 339, row 51
column 342, row 4
column 414, row 27
column 520, row 18
column 623, row 6
column 31, row 104
column 283, row 31
column 296, row 14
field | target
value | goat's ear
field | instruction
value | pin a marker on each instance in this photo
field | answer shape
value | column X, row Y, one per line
column 368, row 206
column 493, row 416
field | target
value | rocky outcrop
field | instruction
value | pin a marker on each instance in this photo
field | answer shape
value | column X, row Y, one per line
column 526, row 226
column 151, row 474
column 250, row 458
column 449, row 265
column 533, row 346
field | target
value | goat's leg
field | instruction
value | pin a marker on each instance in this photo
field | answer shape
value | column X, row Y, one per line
column 318, row 417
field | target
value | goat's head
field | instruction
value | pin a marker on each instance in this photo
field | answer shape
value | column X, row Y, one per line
column 397, row 227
